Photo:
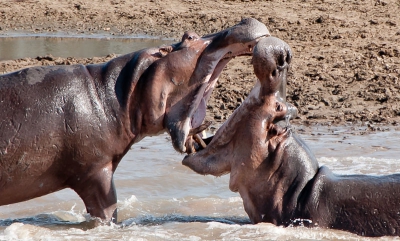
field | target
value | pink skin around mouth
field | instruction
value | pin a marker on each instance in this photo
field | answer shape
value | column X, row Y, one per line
column 200, row 103
column 200, row 113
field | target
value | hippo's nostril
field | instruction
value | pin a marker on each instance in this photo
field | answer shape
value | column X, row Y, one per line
column 288, row 57
column 274, row 73
column 281, row 60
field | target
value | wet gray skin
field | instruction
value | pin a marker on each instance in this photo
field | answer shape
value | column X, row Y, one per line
column 277, row 175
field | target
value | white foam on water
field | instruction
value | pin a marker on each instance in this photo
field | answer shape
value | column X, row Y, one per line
column 71, row 216
column 20, row 231
column 361, row 165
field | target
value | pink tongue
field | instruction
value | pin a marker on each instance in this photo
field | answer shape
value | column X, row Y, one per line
column 199, row 115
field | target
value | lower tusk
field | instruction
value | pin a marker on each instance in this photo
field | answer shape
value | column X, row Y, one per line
column 201, row 128
column 198, row 139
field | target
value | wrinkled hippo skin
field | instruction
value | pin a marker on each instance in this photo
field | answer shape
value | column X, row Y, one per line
column 278, row 176
column 69, row 126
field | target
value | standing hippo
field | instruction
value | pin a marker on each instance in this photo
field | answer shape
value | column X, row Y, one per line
column 70, row 126
column 279, row 178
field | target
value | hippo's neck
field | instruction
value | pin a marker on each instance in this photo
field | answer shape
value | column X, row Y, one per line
column 113, row 81
column 307, row 202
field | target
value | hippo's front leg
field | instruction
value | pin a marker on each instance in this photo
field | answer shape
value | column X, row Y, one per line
column 98, row 193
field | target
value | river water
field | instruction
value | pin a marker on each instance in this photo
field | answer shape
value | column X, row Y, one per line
column 158, row 198
column 20, row 45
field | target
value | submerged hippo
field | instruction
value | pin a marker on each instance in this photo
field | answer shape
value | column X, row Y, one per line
column 70, row 126
column 278, row 177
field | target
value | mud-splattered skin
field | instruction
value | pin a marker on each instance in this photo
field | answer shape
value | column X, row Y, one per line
column 278, row 176
column 69, row 126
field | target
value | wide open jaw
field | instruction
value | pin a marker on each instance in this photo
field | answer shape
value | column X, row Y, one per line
column 215, row 160
column 271, row 59
column 194, row 123
column 223, row 46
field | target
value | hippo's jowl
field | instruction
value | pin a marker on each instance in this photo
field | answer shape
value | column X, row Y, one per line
column 69, row 126
column 276, row 174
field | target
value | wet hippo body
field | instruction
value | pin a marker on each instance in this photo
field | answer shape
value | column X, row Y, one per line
column 363, row 204
column 69, row 126
column 277, row 175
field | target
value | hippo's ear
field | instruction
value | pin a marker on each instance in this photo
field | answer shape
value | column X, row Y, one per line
column 271, row 59
column 165, row 50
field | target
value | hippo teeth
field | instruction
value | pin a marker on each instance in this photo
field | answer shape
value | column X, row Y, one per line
column 200, row 141
column 194, row 138
column 194, row 143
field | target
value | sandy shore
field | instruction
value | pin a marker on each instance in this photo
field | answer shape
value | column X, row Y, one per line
column 346, row 64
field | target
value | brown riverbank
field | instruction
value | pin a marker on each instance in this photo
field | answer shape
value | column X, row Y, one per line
column 346, row 64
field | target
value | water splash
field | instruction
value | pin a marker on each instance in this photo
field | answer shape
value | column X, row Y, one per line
column 151, row 220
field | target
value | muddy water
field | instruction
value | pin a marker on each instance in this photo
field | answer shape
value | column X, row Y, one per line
column 14, row 46
column 159, row 199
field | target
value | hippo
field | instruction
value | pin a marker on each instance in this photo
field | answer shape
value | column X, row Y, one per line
column 69, row 126
column 277, row 175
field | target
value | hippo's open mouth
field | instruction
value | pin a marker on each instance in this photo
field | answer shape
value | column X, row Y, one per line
column 222, row 46
column 198, row 108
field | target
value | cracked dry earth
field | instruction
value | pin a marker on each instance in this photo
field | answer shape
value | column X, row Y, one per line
column 346, row 64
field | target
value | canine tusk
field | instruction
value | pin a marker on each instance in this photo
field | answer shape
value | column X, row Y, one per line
column 204, row 134
column 201, row 128
column 198, row 139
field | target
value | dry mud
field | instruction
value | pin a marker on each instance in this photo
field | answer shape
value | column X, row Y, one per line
column 346, row 53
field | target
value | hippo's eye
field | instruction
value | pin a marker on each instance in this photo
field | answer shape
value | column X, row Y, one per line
column 192, row 37
column 279, row 107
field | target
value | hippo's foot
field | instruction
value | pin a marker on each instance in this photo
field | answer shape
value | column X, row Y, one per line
column 195, row 142
column 98, row 193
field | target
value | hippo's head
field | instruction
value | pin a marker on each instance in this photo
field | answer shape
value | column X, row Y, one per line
column 188, row 112
column 251, row 145
column 183, row 80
